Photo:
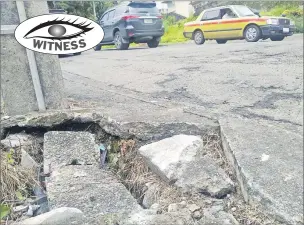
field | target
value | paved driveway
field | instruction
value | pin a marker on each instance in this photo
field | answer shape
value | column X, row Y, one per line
column 255, row 89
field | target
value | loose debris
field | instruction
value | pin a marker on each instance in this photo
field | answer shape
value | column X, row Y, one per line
column 123, row 158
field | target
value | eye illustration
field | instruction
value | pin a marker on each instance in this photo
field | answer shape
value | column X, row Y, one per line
column 59, row 30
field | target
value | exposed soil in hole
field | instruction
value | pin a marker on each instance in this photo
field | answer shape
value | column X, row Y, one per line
column 123, row 159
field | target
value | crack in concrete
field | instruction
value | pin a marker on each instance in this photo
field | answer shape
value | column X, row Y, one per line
column 251, row 115
column 269, row 101
column 171, row 77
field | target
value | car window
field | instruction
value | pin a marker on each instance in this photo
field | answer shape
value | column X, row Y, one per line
column 111, row 14
column 120, row 10
column 244, row 11
column 142, row 7
column 211, row 15
column 104, row 18
column 227, row 13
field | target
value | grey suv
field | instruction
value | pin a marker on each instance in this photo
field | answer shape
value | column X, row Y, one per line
column 131, row 22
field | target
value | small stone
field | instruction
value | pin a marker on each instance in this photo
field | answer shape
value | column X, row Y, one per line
column 155, row 206
column 197, row 215
column 193, row 207
column 173, row 207
column 57, row 216
column 183, row 203
column 31, row 209
column 27, row 161
column 233, row 209
column 20, row 208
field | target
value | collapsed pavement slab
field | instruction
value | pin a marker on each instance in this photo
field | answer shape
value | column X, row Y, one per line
column 63, row 148
column 178, row 160
column 268, row 161
column 83, row 186
column 92, row 190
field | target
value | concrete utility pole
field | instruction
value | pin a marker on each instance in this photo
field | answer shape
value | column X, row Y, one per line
column 94, row 9
column 30, row 81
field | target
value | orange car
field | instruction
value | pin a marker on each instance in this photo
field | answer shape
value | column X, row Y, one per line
column 237, row 22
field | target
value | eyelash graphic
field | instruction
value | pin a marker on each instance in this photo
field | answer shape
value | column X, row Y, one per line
column 81, row 26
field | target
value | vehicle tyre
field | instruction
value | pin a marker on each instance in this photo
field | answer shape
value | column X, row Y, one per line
column 252, row 33
column 153, row 43
column 97, row 47
column 198, row 37
column 221, row 41
column 279, row 38
column 77, row 53
column 118, row 42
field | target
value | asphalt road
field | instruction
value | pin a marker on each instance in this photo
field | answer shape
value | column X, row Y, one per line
column 261, row 80
column 255, row 90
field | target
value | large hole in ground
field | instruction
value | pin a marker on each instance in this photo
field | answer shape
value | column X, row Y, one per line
column 124, row 160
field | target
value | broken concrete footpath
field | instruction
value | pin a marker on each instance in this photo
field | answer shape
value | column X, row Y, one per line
column 63, row 148
column 92, row 190
column 179, row 160
column 269, row 165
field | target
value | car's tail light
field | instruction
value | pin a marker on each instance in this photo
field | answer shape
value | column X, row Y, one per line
column 160, row 17
column 129, row 17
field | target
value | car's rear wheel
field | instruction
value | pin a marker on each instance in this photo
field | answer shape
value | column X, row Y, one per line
column 221, row 41
column 97, row 47
column 119, row 43
column 279, row 38
column 198, row 37
column 252, row 33
column 153, row 43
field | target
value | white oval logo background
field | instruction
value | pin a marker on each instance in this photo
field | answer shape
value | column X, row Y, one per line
column 59, row 34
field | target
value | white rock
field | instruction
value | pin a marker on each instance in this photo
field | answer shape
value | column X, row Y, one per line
column 20, row 208
column 27, row 161
column 177, row 159
column 57, row 216
column 16, row 140
column 193, row 207
column 176, row 207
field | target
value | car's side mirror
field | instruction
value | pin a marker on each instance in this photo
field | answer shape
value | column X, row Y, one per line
column 283, row 15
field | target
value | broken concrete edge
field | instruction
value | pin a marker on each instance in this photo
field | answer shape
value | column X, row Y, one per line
column 53, row 120
column 250, row 193
column 56, row 120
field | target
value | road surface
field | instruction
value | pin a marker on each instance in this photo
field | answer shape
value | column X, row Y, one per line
column 255, row 89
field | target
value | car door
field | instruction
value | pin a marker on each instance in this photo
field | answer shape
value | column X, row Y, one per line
column 229, row 27
column 211, row 19
column 103, row 23
column 110, row 25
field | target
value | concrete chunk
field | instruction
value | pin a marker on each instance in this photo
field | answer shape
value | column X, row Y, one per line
column 269, row 165
column 63, row 148
column 90, row 189
column 177, row 160
column 58, row 216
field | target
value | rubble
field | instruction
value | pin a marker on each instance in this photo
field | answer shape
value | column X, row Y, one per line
column 177, row 161
column 57, row 216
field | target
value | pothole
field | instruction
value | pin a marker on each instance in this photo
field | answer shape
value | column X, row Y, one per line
column 153, row 190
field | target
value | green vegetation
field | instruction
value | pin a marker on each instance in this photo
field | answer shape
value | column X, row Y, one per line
column 174, row 29
column 291, row 11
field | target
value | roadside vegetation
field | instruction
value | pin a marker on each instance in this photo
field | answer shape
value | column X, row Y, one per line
column 291, row 11
column 173, row 27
